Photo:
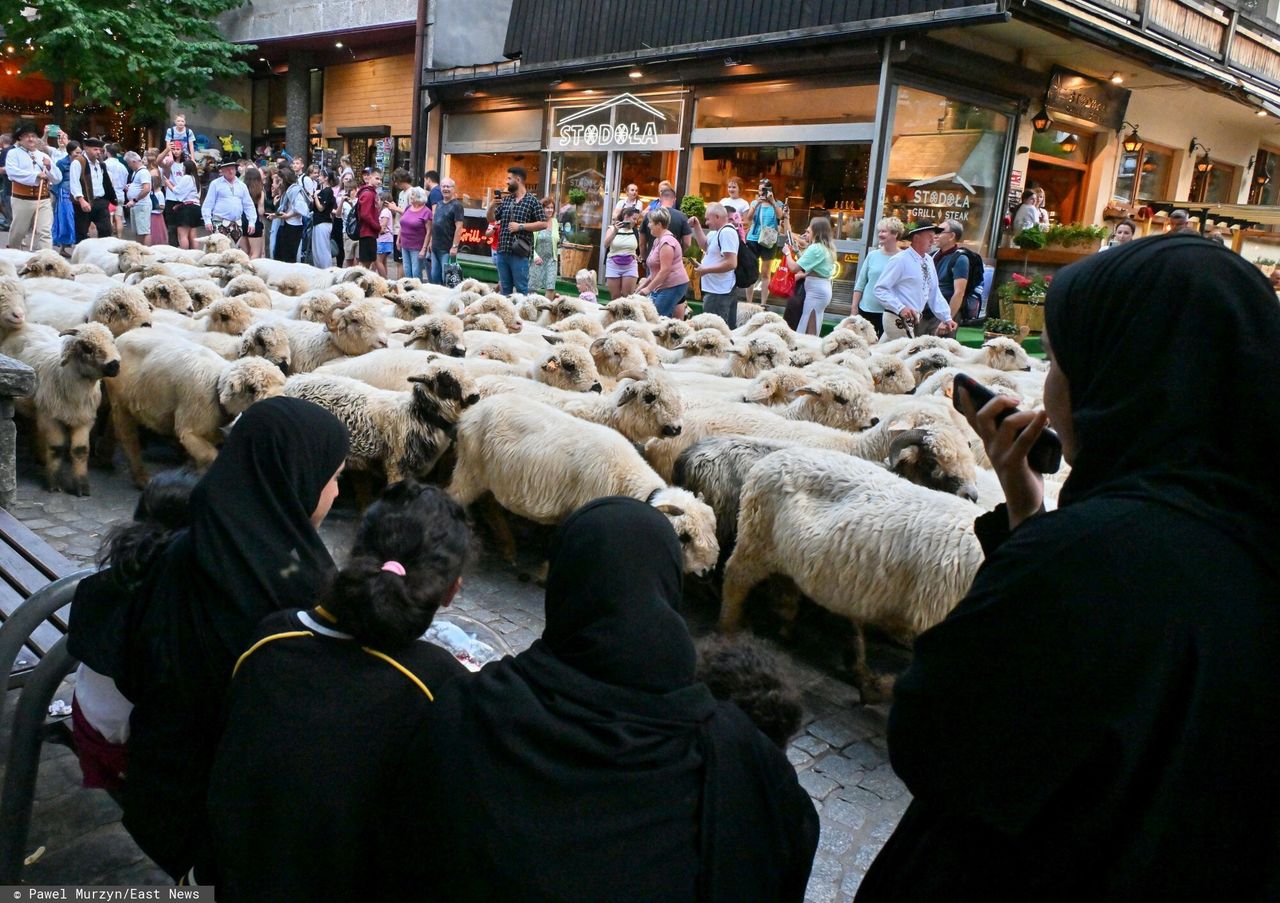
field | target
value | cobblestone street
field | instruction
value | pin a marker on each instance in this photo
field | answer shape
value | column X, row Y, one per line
column 840, row 755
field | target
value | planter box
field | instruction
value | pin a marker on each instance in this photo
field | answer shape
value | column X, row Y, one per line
column 574, row 257
column 1083, row 247
column 1030, row 316
column 1267, row 268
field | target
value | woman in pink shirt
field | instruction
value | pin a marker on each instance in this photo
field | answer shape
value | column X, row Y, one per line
column 667, row 280
column 415, row 233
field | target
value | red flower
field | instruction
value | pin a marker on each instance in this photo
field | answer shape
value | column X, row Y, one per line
column 1021, row 280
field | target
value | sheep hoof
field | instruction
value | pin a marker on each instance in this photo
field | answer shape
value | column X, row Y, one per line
column 82, row 487
column 876, row 689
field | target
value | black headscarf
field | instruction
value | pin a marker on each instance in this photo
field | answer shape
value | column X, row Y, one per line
column 592, row 766
column 1167, row 344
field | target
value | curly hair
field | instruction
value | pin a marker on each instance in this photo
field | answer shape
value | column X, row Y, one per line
column 742, row 671
column 162, row 510
column 425, row 532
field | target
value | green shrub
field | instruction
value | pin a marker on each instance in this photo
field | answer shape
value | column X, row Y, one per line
column 577, row 196
column 1003, row 327
column 1032, row 239
column 691, row 205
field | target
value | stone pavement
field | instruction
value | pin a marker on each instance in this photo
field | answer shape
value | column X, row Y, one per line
column 840, row 755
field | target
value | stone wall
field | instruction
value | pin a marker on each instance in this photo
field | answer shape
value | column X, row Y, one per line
column 265, row 20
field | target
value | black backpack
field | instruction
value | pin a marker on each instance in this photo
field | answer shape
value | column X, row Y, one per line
column 351, row 225
column 746, row 272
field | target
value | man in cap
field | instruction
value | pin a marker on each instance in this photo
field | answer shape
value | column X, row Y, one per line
column 32, row 173
column 92, row 192
column 227, row 205
column 908, row 289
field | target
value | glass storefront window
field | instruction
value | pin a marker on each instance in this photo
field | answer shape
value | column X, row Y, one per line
column 1050, row 144
column 480, row 177
column 1149, row 181
column 1215, row 187
column 945, row 162
column 815, row 180
column 787, row 104
column 1265, row 188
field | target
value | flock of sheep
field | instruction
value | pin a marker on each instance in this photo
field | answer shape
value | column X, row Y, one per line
column 836, row 462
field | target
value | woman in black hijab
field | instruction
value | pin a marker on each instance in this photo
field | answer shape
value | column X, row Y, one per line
column 252, row 549
column 593, row 766
column 1096, row 719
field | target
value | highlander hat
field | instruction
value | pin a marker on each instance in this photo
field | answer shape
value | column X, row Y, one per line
column 924, row 224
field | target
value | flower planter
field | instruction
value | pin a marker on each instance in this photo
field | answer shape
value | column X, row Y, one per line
column 1030, row 316
column 1076, row 247
column 573, row 257
column 1267, row 268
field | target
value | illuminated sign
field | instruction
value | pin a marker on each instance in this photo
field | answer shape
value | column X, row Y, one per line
column 619, row 123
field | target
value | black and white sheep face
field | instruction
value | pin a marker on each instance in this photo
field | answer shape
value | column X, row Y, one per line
column 242, row 284
column 412, row 305
column 230, row 316
column 927, row 362
column 653, row 403
column 441, row 333
column 706, row 343
column 614, row 354
column 671, row 333
column 317, row 307
column 483, row 321
column 571, row 368
column 695, row 526
column 498, row 305
column 835, row 402
column 48, row 264
column 247, row 381
column 121, row 309
column 621, row 309
column 444, row 391
column 292, row 286
column 935, row 459
column 763, row 351
column 842, row 340
column 889, row 375
column 90, row 351
column 269, row 342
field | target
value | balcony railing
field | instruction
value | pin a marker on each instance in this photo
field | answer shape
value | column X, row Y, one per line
column 1240, row 39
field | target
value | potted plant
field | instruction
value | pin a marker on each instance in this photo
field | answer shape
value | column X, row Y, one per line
column 1025, row 295
column 575, row 247
column 1032, row 239
column 691, row 205
column 1074, row 236
column 994, row 328
column 1266, row 264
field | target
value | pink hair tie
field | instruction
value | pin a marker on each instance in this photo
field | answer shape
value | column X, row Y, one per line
column 394, row 567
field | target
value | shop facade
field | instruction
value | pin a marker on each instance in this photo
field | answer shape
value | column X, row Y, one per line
column 857, row 141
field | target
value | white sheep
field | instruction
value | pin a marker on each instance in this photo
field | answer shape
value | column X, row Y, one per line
column 403, row 432
column 265, row 340
column 543, row 464
column 632, row 307
column 13, row 306
column 69, row 368
column 120, row 308
column 179, row 389
column 352, row 330
column 857, row 540
column 760, row 352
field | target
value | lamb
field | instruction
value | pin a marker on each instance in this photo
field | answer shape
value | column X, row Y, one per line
column 706, row 343
column 182, row 390
column 258, row 301
column 857, row 540
column 568, row 367
column 120, row 309
column 167, row 293
column 203, row 292
column 414, row 304
column 316, row 306
column 996, row 354
column 926, row 362
column 803, row 357
column 931, row 343
column 69, row 369
column 436, row 332
column 845, row 340
column 351, row 330
column 543, row 464
column 837, row 401
column 265, row 340
column 889, row 375
column 481, row 321
column 776, row 386
column 49, row 264
column 782, row 331
column 347, row 293
column 581, row 322
column 499, row 306
column 404, row 432
column 642, row 407
column 242, row 284
column 634, row 307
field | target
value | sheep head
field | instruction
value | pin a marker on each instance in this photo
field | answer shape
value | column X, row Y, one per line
column 635, row 329
column 46, row 263
column 843, row 340
column 695, row 526
column 568, row 367
column 653, row 406
column 358, row 329
column 927, row 362
column 937, row 457
column 13, row 303
column 836, row 401
column 347, row 293
column 763, row 351
column 581, row 322
column 491, row 351
column 707, row 343
column 1005, row 354
column 121, row 308
column 292, row 285
column 775, row 386
column 889, row 375
column 231, row 316
column 90, row 351
column 441, row 392
column 710, row 321
column 615, row 353
column 215, row 243
column 167, row 293
column 316, row 306
column 203, row 292
column 482, row 321
column 438, row 332
column 500, row 307
column 246, row 381
column 670, row 333
column 413, row 304
column 133, row 257
column 268, row 341
column 860, row 325
column 241, row 284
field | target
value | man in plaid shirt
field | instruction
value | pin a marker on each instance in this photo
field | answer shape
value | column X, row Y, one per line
column 519, row 216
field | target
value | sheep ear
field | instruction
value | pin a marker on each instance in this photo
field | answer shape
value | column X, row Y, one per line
column 897, row 427
column 597, row 345
column 406, row 329
column 628, row 394
column 669, row 509
column 808, row 390
column 554, row 339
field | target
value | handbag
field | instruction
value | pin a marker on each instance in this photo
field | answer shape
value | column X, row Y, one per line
column 452, row 274
column 795, row 306
column 783, row 282
column 768, row 237
column 695, row 284
column 522, row 244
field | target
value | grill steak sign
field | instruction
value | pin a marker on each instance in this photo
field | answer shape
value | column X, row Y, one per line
column 621, row 122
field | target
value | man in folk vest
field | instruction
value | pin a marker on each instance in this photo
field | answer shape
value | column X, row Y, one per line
column 92, row 192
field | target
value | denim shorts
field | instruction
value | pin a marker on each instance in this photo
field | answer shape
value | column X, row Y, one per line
column 666, row 299
column 384, row 247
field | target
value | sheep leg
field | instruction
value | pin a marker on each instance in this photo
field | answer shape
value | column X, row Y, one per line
column 741, row 573
column 201, row 450
column 875, row 688
column 495, row 519
column 126, row 432
column 103, row 441
column 788, row 607
column 80, row 458
column 54, row 440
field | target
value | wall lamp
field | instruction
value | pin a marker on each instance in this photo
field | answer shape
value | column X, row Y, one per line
column 1132, row 142
column 1204, row 164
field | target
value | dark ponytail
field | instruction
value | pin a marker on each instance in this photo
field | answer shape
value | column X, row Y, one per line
column 163, row 509
column 423, row 530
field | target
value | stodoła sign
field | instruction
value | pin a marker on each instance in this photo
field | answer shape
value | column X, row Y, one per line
column 619, row 123
column 596, row 135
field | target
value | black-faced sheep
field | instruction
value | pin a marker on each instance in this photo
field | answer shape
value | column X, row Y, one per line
column 760, row 352
column 403, row 432
column 436, row 332
column 672, row 333
column 837, row 401
column 167, row 293
column 203, row 292
column 543, row 464
column 49, row 264
column 889, row 375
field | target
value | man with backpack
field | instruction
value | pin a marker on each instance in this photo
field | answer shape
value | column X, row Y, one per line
column 720, row 245
column 960, row 272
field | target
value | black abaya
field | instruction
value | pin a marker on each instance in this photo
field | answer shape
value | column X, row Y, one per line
column 1095, row 720
column 592, row 766
column 251, row 550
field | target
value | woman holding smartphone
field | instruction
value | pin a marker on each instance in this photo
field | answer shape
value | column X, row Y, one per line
column 1056, row 730
column 621, row 266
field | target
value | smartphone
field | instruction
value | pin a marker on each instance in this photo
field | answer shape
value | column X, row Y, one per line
column 1045, row 455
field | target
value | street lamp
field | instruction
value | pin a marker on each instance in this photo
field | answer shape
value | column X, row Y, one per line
column 1069, row 144
column 1040, row 122
column 1132, row 142
column 1204, row 164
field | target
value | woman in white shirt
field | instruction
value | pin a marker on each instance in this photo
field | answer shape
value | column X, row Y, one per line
column 183, row 191
column 735, row 202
